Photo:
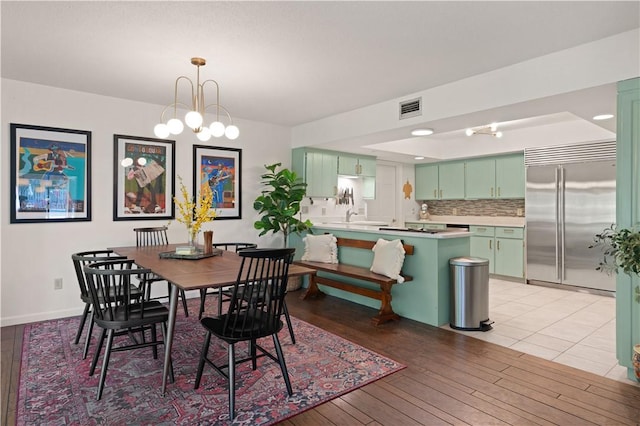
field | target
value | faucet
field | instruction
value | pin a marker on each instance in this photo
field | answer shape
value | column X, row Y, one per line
column 348, row 215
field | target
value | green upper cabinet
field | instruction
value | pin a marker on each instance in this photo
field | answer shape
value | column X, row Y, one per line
column 356, row 165
column 510, row 176
column 318, row 169
column 451, row 180
column 480, row 178
column 497, row 177
column 426, row 181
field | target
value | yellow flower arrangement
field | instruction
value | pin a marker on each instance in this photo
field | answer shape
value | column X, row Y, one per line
column 190, row 213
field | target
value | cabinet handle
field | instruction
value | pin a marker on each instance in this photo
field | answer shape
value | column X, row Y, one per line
column 441, row 193
column 508, row 231
column 482, row 229
column 498, row 191
column 490, row 244
column 335, row 190
column 435, row 193
column 498, row 245
column 492, row 191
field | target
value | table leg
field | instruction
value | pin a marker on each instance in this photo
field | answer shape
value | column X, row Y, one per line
column 173, row 307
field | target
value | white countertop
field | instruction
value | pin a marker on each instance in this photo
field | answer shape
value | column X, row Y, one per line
column 375, row 229
column 475, row 220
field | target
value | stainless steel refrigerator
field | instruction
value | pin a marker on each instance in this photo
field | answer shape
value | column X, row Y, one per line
column 570, row 197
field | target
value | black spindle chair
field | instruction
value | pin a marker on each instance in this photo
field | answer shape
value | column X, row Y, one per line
column 157, row 236
column 110, row 284
column 255, row 309
column 81, row 259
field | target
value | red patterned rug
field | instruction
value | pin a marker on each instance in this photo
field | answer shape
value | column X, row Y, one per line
column 55, row 387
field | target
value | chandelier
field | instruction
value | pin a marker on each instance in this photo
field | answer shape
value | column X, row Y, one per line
column 491, row 130
column 196, row 108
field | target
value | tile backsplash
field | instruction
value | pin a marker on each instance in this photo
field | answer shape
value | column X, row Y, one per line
column 507, row 207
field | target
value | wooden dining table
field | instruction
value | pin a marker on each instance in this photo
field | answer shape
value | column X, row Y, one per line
column 189, row 274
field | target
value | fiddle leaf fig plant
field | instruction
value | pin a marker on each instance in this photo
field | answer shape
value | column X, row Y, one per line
column 279, row 203
column 621, row 250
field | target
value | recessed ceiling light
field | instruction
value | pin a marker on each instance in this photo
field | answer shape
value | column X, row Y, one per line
column 422, row 132
column 418, row 158
column 603, row 117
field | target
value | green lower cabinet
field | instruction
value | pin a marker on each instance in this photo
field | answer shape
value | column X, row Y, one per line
column 503, row 246
column 509, row 257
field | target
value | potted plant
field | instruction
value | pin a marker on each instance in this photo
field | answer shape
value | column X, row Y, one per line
column 621, row 251
column 279, row 203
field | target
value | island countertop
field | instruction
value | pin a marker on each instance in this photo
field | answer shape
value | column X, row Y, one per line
column 400, row 232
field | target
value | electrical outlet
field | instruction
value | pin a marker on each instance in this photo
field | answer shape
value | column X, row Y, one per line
column 304, row 209
column 519, row 212
column 324, row 211
column 57, row 284
column 455, row 211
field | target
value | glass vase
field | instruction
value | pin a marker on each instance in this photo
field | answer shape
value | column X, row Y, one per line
column 191, row 238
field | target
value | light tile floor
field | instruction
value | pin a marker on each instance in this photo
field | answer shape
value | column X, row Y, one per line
column 573, row 328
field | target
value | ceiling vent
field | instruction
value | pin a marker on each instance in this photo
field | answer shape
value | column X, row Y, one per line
column 412, row 108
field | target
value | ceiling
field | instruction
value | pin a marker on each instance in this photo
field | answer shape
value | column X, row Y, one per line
column 291, row 63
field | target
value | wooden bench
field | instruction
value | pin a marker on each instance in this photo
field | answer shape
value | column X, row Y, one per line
column 385, row 313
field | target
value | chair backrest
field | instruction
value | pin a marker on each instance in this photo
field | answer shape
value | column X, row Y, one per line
column 235, row 246
column 110, row 286
column 151, row 236
column 257, row 298
column 86, row 257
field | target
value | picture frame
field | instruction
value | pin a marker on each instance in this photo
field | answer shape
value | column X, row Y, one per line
column 144, row 177
column 221, row 169
column 50, row 174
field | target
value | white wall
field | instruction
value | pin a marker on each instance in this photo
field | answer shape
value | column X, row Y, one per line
column 34, row 254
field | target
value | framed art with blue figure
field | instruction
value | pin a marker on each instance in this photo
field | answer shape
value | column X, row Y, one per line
column 50, row 174
column 144, row 178
column 219, row 169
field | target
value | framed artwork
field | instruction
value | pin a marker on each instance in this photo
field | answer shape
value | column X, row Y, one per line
column 50, row 174
column 144, row 182
column 220, row 169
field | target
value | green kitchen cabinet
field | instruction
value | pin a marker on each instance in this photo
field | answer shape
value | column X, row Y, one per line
column 480, row 178
column 503, row 246
column 318, row 169
column 426, row 181
column 356, row 165
column 482, row 244
column 510, row 176
column 451, row 181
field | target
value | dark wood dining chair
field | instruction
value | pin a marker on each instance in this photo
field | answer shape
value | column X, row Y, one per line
column 222, row 291
column 119, row 314
column 157, row 236
column 81, row 259
column 255, row 310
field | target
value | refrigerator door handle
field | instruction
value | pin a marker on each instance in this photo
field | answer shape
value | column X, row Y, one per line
column 561, row 223
column 557, row 220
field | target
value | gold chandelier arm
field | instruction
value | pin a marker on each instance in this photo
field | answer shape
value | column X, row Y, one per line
column 218, row 108
column 175, row 94
column 175, row 106
column 217, row 97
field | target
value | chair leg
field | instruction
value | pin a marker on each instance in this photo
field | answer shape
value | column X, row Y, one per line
column 283, row 365
column 232, row 382
column 253, row 352
column 184, row 303
column 105, row 363
column 289, row 326
column 219, row 301
column 87, row 340
column 94, row 362
column 203, row 356
column 154, row 338
column 203, row 296
column 82, row 321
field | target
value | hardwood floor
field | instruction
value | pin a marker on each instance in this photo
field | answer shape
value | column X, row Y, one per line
column 450, row 379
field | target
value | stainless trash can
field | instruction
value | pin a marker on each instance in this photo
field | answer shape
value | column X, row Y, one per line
column 469, row 293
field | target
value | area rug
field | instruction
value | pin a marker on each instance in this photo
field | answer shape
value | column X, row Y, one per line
column 55, row 388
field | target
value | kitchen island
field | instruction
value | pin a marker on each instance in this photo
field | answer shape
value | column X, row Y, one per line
column 427, row 297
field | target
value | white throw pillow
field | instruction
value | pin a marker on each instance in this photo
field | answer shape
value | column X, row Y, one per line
column 320, row 248
column 388, row 257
